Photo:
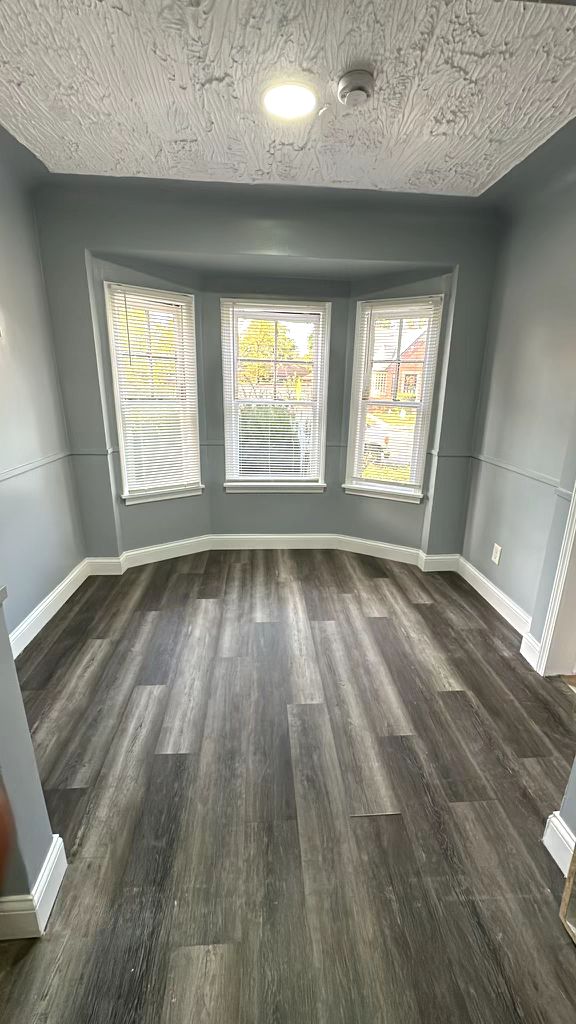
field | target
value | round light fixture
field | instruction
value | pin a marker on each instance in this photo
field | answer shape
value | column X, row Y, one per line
column 289, row 101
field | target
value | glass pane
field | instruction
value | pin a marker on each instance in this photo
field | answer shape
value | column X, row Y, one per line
column 388, row 444
column 275, row 441
column 385, row 333
column 255, row 338
column 410, row 377
column 255, row 380
column 295, row 381
column 414, row 337
column 164, row 378
column 136, row 377
column 297, row 339
column 383, row 381
column 163, row 333
column 137, row 336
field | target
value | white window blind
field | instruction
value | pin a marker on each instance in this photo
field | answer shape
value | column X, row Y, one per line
column 275, row 365
column 153, row 352
column 395, row 354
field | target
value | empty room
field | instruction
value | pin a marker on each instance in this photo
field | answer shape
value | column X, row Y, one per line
column 287, row 512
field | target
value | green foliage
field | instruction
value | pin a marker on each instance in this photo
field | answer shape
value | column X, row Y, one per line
column 269, row 437
column 256, row 341
column 263, row 340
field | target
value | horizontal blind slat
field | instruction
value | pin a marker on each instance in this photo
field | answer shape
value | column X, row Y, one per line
column 153, row 353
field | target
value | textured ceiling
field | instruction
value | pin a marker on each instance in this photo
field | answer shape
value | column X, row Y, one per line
column 465, row 89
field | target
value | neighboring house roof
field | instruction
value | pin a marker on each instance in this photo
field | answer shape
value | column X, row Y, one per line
column 416, row 349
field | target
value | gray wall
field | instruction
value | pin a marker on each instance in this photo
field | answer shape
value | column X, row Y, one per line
column 170, row 234
column 40, row 536
column 523, row 474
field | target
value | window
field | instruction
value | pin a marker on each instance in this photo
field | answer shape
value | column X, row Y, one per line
column 392, row 385
column 153, row 351
column 275, row 366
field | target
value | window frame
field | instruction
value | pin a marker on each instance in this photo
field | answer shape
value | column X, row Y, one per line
column 238, row 484
column 413, row 492
column 135, row 496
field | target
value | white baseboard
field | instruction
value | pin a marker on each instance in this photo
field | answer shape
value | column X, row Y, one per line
column 438, row 563
column 508, row 609
column 530, row 649
column 274, row 541
column 269, row 541
column 21, row 636
column 115, row 565
column 560, row 841
column 26, row 917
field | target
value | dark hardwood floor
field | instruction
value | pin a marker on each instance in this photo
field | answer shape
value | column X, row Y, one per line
column 295, row 788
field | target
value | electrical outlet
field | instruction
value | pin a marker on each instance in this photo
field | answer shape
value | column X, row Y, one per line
column 496, row 552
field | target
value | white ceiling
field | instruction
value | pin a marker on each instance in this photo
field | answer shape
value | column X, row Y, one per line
column 465, row 89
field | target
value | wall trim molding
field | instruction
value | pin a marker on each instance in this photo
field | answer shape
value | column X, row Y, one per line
column 560, row 841
column 28, row 467
column 21, row 636
column 531, row 474
column 512, row 612
column 26, row 916
column 88, row 452
column 530, row 650
column 438, row 563
column 115, row 565
column 112, row 566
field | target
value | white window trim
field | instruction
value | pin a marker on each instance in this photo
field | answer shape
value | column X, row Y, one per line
column 281, row 486
column 392, row 491
column 161, row 494
column 385, row 491
column 139, row 497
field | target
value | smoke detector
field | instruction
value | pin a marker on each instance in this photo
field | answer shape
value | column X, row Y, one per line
column 355, row 88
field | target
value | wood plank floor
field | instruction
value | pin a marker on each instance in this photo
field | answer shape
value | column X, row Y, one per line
column 295, row 787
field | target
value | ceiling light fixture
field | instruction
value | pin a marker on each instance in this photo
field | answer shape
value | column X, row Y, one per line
column 290, row 101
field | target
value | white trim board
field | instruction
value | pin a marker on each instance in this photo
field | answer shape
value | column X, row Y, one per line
column 116, row 565
column 560, row 841
column 530, row 649
column 508, row 609
column 26, row 916
column 21, row 636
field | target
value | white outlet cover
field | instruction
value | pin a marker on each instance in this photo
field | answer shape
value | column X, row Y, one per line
column 496, row 552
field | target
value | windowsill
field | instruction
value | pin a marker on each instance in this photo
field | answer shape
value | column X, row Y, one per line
column 277, row 486
column 139, row 499
column 390, row 493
